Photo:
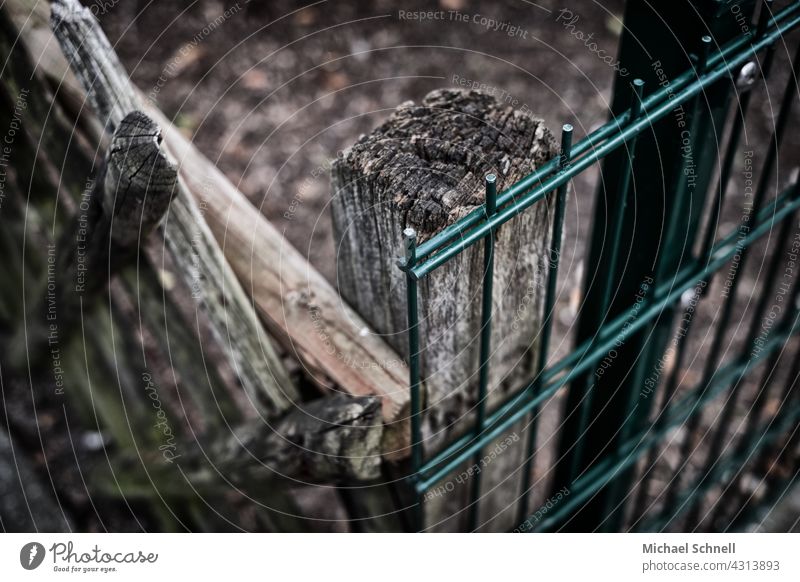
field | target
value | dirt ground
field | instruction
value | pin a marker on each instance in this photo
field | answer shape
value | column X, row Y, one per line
column 271, row 92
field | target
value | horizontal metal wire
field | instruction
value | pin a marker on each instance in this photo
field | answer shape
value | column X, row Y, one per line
column 459, row 236
column 631, row 451
column 767, row 433
column 584, row 357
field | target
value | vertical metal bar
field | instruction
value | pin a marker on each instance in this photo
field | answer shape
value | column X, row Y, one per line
column 490, row 206
column 734, row 499
column 553, row 263
column 711, row 362
column 736, row 132
column 718, row 440
column 667, row 262
column 410, row 239
column 709, row 236
column 745, row 511
column 651, row 32
column 608, row 283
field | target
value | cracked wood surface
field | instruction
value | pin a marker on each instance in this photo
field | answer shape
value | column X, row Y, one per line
column 424, row 168
column 329, row 440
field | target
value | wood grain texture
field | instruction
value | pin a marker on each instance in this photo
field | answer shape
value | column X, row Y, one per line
column 336, row 346
column 424, row 169
column 139, row 181
column 122, row 206
column 343, row 445
column 191, row 244
column 330, row 440
column 128, row 199
column 295, row 301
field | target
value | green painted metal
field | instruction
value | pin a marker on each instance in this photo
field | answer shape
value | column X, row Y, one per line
column 745, row 510
column 414, row 381
column 708, row 240
column 721, row 331
column 761, row 192
column 637, row 410
column 490, row 205
column 586, row 355
column 549, row 310
column 461, row 235
column 630, row 452
column 607, row 285
column 672, row 172
column 759, row 404
column 600, row 479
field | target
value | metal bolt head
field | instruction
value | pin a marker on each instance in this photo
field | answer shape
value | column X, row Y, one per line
column 410, row 237
column 747, row 75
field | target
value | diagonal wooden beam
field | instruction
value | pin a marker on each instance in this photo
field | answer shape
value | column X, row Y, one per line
column 188, row 239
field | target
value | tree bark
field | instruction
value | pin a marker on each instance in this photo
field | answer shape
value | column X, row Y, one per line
column 424, row 168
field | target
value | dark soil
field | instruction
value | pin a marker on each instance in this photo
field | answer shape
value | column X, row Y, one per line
column 271, row 92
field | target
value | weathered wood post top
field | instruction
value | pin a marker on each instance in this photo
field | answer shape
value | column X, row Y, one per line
column 424, row 168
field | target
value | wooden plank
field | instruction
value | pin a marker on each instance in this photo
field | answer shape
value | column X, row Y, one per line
column 327, row 441
column 190, row 243
column 296, row 302
column 299, row 306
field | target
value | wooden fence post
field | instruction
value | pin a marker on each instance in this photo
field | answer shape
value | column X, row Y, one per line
column 424, row 168
column 130, row 196
column 232, row 317
column 330, row 440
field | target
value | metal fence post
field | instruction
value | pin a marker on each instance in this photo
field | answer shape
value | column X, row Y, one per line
column 657, row 45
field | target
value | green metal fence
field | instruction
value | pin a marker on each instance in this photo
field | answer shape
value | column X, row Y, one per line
column 610, row 435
